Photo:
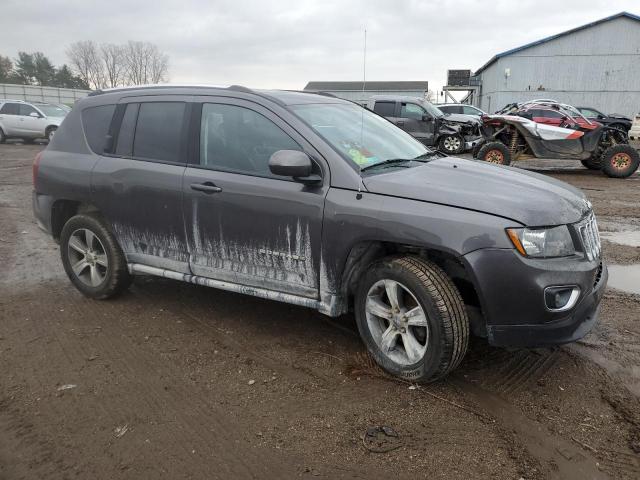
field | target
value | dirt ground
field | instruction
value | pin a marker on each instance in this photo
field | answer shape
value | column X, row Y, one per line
column 177, row 381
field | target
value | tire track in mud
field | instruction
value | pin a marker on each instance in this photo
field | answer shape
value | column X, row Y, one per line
column 559, row 458
column 196, row 421
column 200, row 423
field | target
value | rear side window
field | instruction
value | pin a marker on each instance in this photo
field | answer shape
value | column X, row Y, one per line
column 386, row 109
column 10, row 109
column 159, row 131
column 96, row 121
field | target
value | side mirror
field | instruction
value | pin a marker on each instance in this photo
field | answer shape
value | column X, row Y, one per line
column 601, row 117
column 34, row 114
column 293, row 163
column 427, row 118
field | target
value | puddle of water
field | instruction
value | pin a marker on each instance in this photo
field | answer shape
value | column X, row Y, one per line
column 630, row 238
column 625, row 278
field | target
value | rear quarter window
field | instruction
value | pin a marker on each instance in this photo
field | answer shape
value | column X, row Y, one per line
column 96, row 121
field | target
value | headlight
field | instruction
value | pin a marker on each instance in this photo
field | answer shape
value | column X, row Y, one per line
column 542, row 242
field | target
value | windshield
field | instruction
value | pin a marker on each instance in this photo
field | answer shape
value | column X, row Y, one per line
column 52, row 110
column 433, row 111
column 359, row 135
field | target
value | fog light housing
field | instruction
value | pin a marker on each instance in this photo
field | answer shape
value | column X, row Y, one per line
column 561, row 298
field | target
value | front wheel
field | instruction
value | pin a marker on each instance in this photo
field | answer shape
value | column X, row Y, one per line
column 620, row 161
column 495, row 152
column 412, row 318
column 451, row 144
column 92, row 258
column 3, row 137
column 51, row 131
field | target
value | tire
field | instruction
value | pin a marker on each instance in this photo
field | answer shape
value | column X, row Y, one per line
column 112, row 276
column 593, row 163
column 620, row 161
column 50, row 133
column 476, row 148
column 439, row 345
column 3, row 137
column 451, row 144
column 495, row 152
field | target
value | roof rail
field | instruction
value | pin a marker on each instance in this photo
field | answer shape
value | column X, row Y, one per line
column 13, row 100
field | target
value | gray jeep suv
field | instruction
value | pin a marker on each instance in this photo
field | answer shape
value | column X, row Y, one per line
column 316, row 201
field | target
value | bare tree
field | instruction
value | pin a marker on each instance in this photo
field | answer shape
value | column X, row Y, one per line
column 145, row 63
column 112, row 57
column 85, row 60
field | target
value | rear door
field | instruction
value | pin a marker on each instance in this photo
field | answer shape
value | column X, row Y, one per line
column 246, row 225
column 417, row 122
column 10, row 117
column 137, row 183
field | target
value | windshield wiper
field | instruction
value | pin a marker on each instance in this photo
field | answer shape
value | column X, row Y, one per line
column 389, row 161
column 429, row 154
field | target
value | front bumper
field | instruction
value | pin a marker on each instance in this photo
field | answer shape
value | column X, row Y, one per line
column 511, row 291
column 469, row 143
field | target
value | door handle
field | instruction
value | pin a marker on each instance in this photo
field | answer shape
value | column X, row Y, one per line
column 400, row 123
column 206, row 187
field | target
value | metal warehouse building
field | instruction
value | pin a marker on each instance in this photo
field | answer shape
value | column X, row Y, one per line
column 355, row 92
column 595, row 65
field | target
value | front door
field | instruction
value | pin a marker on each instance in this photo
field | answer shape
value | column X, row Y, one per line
column 246, row 225
column 33, row 123
column 137, row 184
column 417, row 122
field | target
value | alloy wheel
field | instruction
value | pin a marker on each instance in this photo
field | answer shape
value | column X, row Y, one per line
column 620, row 161
column 397, row 322
column 451, row 144
column 87, row 257
column 494, row 156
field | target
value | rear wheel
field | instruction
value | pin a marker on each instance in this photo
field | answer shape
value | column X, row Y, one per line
column 451, row 144
column 620, row 161
column 92, row 258
column 495, row 152
column 412, row 319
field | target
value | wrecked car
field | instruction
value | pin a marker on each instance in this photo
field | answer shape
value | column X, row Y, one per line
column 318, row 202
column 451, row 133
column 548, row 129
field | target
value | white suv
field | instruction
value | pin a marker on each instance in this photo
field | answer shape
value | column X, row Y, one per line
column 28, row 121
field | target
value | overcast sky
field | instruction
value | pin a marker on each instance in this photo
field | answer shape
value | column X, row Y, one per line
column 284, row 43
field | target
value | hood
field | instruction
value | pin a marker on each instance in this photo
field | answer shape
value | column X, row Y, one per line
column 55, row 120
column 526, row 197
column 461, row 118
column 620, row 116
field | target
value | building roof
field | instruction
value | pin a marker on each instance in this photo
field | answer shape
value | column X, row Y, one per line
column 553, row 37
column 368, row 86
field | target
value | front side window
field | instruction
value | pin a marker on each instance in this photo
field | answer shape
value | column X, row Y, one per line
column 237, row 139
column 10, row 109
column 159, row 131
column 470, row 111
column 358, row 135
column 411, row 110
column 27, row 110
column 96, row 121
column 589, row 113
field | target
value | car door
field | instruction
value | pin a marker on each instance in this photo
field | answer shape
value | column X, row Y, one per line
column 246, row 225
column 417, row 122
column 33, row 122
column 10, row 118
column 137, row 182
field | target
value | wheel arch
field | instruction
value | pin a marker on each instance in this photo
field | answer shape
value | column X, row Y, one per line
column 363, row 254
column 62, row 210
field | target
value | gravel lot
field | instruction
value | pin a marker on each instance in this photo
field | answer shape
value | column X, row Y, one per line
column 176, row 381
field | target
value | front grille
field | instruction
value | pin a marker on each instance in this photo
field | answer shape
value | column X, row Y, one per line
column 590, row 236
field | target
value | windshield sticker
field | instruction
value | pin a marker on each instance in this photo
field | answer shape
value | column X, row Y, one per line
column 359, row 154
